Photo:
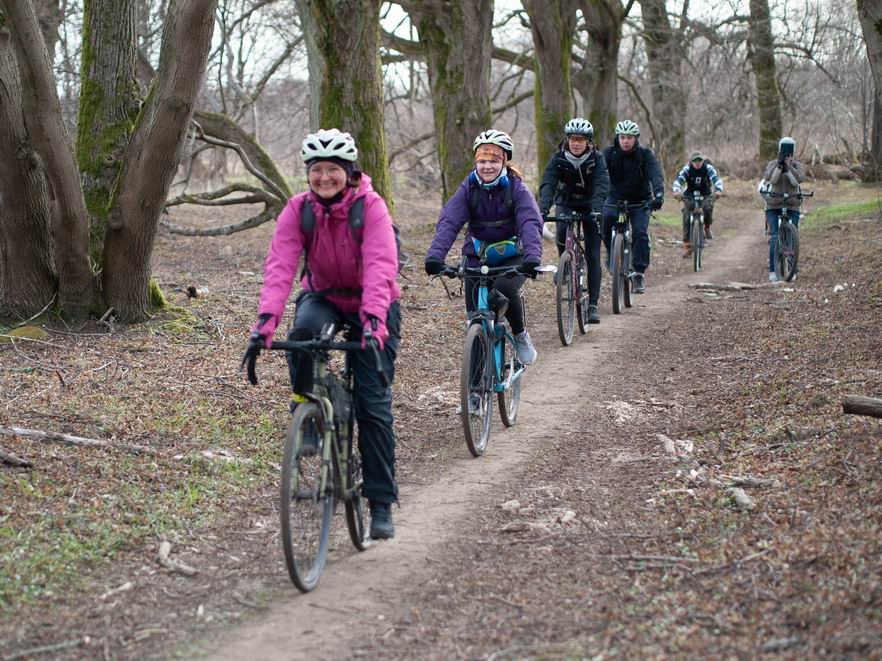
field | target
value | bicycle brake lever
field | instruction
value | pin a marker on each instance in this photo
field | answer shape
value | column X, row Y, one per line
column 381, row 373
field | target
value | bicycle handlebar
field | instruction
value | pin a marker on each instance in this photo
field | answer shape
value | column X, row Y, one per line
column 627, row 205
column 574, row 217
column 483, row 270
column 784, row 196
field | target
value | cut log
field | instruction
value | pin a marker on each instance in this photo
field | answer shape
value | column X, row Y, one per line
column 8, row 458
column 56, row 437
column 862, row 406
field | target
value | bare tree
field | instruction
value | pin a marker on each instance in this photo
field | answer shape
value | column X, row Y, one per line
column 761, row 54
column 870, row 14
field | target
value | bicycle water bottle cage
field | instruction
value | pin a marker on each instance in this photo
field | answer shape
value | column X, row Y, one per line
column 498, row 302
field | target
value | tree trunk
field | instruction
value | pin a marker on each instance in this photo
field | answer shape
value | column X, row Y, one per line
column 46, row 128
column 50, row 16
column 597, row 79
column 870, row 14
column 108, row 107
column 27, row 279
column 761, row 54
column 345, row 79
column 153, row 155
column 665, row 51
column 552, row 23
column 457, row 40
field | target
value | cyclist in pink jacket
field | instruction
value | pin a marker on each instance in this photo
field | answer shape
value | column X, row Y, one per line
column 349, row 276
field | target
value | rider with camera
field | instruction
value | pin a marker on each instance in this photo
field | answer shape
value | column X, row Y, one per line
column 504, row 229
column 634, row 176
column 348, row 277
column 783, row 174
column 698, row 176
column 576, row 181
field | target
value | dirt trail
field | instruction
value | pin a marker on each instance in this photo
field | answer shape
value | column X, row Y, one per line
column 358, row 591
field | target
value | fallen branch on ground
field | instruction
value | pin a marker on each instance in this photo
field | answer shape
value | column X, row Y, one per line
column 862, row 406
column 56, row 437
column 750, row 481
column 44, row 649
column 8, row 458
column 173, row 565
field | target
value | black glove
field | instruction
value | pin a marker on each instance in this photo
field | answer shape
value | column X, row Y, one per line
column 784, row 167
column 434, row 266
column 528, row 268
column 657, row 203
column 782, row 163
column 544, row 214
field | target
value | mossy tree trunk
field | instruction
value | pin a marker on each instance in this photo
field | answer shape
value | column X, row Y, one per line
column 596, row 79
column 345, row 78
column 761, row 54
column 27, row 278
column 666, row 53
column 456, row 36
column 870, row 14
column 552, row 23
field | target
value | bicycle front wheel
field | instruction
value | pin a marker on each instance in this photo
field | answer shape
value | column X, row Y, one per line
column 476, row 387
column 566, row 299
column 582, row 294
column 307, row 498
column 509, row 398
column 787, row 251
column 618, row 275
column 697, row 238
column 355, row 503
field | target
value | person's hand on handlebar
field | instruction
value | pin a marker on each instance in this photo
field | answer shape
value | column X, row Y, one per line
column 528, row 268
column 718, row 194
column 374, row 329
column 434, row 266
column 657, row 202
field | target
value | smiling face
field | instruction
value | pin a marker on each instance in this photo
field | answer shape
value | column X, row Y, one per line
column 577, row 144
column 326, row 179
column 489, row 160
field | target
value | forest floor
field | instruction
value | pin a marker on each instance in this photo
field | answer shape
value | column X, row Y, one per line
column 577, row 535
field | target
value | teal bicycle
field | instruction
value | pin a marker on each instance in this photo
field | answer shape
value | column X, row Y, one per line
column 490, row 364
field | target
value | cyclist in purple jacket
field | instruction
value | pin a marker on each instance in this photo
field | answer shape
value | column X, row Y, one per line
column 498, row 208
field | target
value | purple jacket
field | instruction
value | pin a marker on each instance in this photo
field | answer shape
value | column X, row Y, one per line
column 336, row 259
column 526, row 223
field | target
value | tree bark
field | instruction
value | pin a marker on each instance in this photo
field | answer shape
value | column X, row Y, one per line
column 870, row 14
column 665, row 50
column 27, row 278
column 46, row 128
column 597, row 79
column 761, row 54
column 457, row 41
column 345, row 79
column 152, row 157
column 862, row 406
column 552, row 23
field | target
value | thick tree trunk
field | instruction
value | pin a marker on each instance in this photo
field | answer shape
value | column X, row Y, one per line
column 108, row 107
column 152, row 157
column 665, row 51
column 552, row 23
column 761, row 54
column 27, row 279
column 597, row 79
column 46, row 128
column 457, row 40
column 50, row 16
column 870, row 14
column 345, row 79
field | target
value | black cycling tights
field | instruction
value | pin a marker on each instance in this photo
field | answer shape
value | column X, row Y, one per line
column 510, row 287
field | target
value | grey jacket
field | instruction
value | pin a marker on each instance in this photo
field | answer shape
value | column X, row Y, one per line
column 783, row 182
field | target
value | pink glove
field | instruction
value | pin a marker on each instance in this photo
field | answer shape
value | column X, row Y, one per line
column 266, row 328
column 380, row 334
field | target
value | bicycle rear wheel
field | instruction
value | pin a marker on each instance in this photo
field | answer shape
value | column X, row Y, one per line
column 618, row 277
column 566, row 299
column 582, row 294
column 307, row 499
column 476, row 387
column 355, row 505
column 697, row 238
column 509, row 399
column 787, row 251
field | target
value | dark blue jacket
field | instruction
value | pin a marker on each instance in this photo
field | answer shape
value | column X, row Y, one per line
column 633, row 180
column 522, row 220
column 564, row 185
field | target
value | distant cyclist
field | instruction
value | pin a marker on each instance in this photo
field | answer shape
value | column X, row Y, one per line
column 697, row 176
column 635, row 177
column 576, row 180
column 782, row 175
column 346, row 278
column 499, row 212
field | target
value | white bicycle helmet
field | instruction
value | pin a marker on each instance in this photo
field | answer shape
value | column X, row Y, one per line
column 493, row 137
column 330, row 143
column 579, row 126
column 627, row 127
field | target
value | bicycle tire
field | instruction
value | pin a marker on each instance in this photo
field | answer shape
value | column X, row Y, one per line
column 626, row 272
column 787, row 251
column 618, row 278
column 476, row 382
column 307, row 501
column 565, row 298
column 582, row 293
column 509, row 403
column 354, row 506
column 697, row 238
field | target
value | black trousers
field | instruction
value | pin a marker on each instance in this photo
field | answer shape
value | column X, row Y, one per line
column 372, row 401
column 592, row 241
column 511, row 287
column 707, row 205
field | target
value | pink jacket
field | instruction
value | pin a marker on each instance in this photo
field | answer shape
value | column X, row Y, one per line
column 336, row 259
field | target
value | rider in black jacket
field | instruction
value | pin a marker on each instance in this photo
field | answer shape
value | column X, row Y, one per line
column 576, row 180
column 634, row 176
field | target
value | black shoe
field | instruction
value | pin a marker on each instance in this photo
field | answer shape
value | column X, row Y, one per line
column 639, row 284
column 381, row 521
column 593, row 317
column 707, row 232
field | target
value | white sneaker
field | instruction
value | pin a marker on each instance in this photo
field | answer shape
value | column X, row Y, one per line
column 773, row 277
column 526, row 350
